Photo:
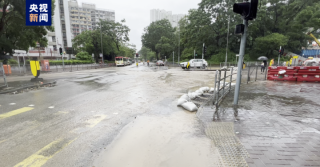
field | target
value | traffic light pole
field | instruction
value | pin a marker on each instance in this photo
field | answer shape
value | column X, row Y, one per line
column 202, row 50
column 241, row 55
column 279, row 57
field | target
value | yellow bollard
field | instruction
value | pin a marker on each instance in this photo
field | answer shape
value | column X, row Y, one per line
column 244, row 66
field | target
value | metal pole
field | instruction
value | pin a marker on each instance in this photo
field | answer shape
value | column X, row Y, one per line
column 179, row 47
column 19, row 62
column 62, row 62
column 4, row 74
column 241, row 55
column 194, row 54
column 224, row 81
column 265, row 75
column 256, row 73
column 230, row 79
column 215, row 84
column 218, row 88
column 248, row 78
column 173, row 59
column 227, row 43
column 101, row 42
column 24, row 64
column 203, row 51
column 279, row 58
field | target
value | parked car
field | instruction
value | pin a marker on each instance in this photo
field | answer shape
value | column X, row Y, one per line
column 160, row 63
column 195, row 63
column 129, row 62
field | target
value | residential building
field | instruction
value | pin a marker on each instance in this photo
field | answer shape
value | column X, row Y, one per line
column 156, row 15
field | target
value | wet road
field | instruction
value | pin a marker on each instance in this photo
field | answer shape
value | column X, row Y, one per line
column 70, row 124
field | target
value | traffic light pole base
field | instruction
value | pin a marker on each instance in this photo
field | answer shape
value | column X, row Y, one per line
column 36, row 79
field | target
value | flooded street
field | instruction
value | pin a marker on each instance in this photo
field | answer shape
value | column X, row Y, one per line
column 128, row 116
column 73, row 123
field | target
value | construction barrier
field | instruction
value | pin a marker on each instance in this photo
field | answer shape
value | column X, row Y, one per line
column 308, row 77
column 282, row 77
column 312, row 69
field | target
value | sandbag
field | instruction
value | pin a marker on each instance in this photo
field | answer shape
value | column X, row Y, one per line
column 204, row 89
column 212, row 90
column 192, row 95
column 199, row 92
column 184, row 98
column 189, row 106
column 282, row 71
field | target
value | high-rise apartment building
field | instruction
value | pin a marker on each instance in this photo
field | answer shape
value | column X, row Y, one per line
column 156, row 15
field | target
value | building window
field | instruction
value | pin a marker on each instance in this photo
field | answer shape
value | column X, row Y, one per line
column 53, row 38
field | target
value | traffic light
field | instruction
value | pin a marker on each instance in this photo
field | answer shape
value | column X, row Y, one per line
column 196, row 54
column 204, row 50
column 281, row 51
column 60, row 51
column 247, row 9
column 137, row 54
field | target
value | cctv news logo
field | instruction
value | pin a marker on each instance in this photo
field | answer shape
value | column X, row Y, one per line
column 38, row 12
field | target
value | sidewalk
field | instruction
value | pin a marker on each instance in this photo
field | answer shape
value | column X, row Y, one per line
column 277, row 124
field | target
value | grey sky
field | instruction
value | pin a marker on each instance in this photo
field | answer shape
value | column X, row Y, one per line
column 137, row 12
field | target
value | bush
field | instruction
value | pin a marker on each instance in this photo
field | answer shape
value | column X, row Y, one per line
column 69, row 62
column 84, row 56
column 9, row 61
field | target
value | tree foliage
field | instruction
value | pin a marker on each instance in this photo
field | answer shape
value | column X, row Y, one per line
column 158, row 36
column 278, row 23
column 114, row 35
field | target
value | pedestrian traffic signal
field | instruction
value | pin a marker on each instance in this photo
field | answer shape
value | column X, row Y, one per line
column 60, row 51
column 281, row 51
column 247, row 9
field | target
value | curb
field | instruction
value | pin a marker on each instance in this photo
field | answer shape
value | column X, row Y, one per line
column 26, row 87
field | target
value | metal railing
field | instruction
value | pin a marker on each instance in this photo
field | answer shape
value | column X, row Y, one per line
column 2, row 75
column 220, row 91
column 26, row 69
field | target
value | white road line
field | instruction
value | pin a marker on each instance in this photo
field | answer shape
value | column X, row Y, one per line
column 115, row 113
column 12, row 104
column 51, row 107
column 31, row 105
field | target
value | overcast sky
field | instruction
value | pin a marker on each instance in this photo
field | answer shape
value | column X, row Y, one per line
column 137, row 12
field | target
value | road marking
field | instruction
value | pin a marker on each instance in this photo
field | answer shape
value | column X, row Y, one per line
column 51, row 107
column 115, row 113
column 42, row 156
column 2, row 141
column 15, row 112
column 94, row 121
column 12, row 104
column 31, row 105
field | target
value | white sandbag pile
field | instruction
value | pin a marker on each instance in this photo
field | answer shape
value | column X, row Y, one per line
column 190, row 106
column 183, row 99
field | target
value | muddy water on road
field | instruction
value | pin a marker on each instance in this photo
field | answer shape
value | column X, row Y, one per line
column 166, row 135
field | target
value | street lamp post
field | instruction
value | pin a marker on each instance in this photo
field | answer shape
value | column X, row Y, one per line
column 101, row 42
column 173, row 59
column 225, row 64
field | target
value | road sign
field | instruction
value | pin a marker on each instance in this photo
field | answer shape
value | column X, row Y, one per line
column 237, row 55
column 100, row 54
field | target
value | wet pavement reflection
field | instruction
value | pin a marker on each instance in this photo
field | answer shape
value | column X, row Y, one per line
column 278, row 123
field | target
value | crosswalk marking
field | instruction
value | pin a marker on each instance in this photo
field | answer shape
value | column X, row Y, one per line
column 42, row 156
column 15, row 112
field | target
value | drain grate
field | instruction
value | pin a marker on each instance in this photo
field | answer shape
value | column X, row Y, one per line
column 231, row 150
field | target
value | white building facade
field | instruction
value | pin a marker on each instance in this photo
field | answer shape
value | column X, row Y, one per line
column 156, row 15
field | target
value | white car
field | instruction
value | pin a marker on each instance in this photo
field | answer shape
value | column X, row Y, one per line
column 198, row 63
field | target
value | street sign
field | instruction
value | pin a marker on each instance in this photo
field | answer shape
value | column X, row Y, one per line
column 100, row 54
column 237, row 55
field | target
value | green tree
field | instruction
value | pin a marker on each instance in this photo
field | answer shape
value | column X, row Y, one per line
column 154, row 32
column 14, row 34
column 146, row 53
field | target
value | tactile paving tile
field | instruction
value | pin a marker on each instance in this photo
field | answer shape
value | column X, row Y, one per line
column 231, row 150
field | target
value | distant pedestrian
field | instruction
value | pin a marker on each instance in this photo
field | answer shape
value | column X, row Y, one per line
column 262, row 67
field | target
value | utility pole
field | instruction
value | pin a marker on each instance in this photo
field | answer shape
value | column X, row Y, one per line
column 241, row 55
column 101, row 42
column 225, row 64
